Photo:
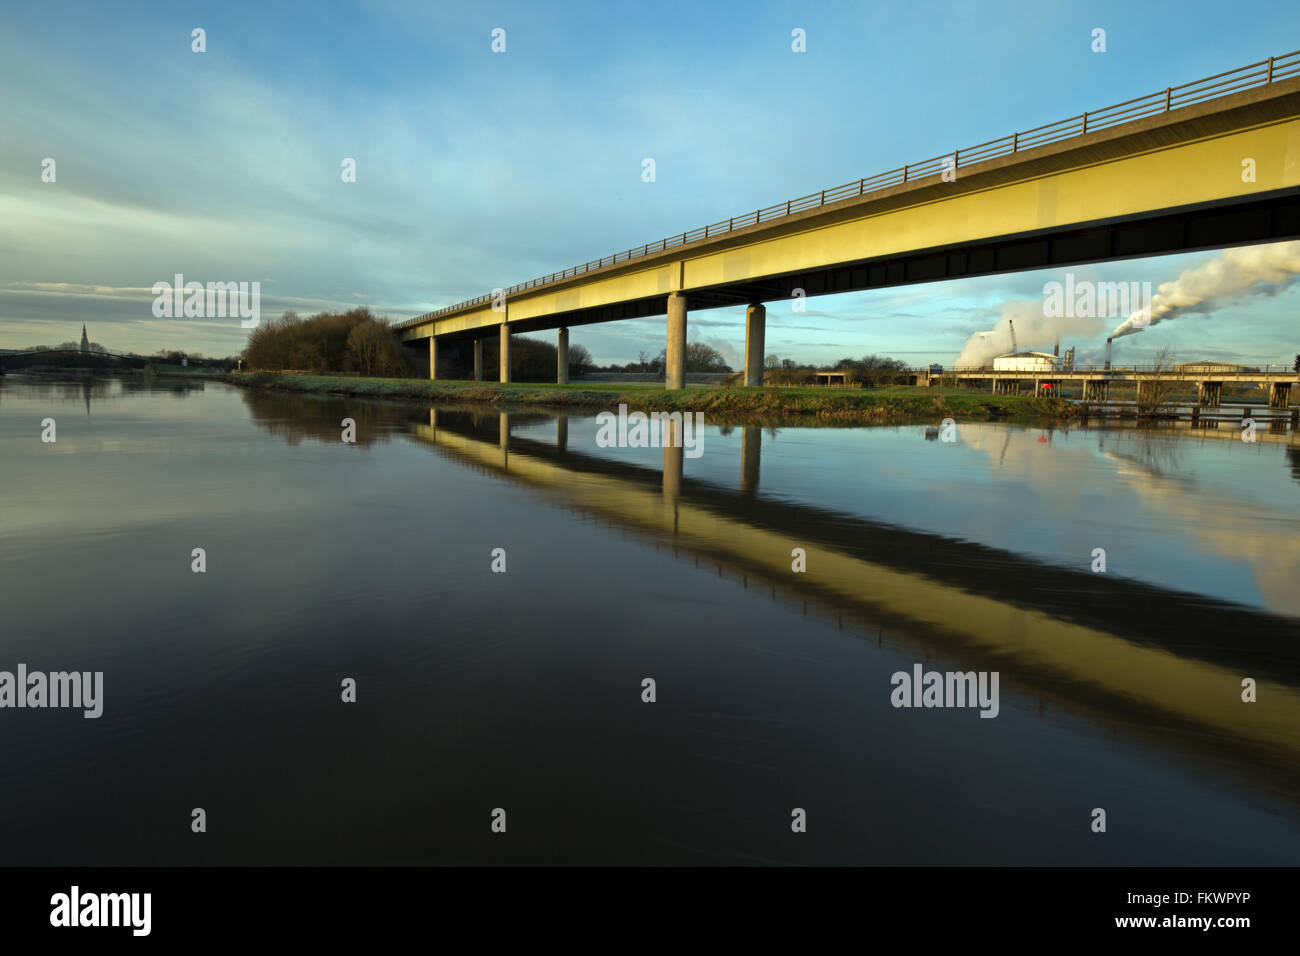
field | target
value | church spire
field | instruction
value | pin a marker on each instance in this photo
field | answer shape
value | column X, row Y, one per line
column 85, row 342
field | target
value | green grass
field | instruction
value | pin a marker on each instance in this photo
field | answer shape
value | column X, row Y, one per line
column 887, row 404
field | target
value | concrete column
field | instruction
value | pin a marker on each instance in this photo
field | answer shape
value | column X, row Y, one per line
column 675, row 354
column 562, row 358
column 751, row 446
column 503, row 437
column 755, row 329
column 434, row 372
column 505, row 352
column 1279, row 395
column 478, row 360
column 562, row 432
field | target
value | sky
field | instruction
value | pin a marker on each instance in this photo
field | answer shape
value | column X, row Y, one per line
column 477, row 169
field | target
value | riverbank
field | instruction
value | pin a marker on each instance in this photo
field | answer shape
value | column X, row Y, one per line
column 873, row 405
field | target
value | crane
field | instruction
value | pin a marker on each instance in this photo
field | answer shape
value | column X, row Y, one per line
column 1012, row 326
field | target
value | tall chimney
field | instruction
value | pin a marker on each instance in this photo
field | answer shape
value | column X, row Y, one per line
column 1108, row 355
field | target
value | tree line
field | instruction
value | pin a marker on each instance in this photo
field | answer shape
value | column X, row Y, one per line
column 361, row 343
column 870, row 370
column 699, row 358
column 352, row 341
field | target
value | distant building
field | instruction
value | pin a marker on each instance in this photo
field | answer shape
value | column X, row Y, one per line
column 1027, row 362
column 85, row 341
column 1211, row 367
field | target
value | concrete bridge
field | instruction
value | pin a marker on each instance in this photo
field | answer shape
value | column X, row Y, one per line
column 1158, row 174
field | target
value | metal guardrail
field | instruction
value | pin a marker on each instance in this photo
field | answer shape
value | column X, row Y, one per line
column 1174, row 97
column 1190, row 373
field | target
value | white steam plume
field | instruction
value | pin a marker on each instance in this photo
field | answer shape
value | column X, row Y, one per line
column 1231, row 272
column 1034, row 330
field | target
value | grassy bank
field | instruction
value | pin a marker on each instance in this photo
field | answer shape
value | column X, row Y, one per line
column 186, row 371
column 889, row 404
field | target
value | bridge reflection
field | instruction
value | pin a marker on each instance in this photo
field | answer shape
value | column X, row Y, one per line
column 1160, row 664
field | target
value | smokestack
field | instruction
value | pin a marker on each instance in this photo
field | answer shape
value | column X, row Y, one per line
column 1203, row 286
column 1108, row 355
column 1056, row 349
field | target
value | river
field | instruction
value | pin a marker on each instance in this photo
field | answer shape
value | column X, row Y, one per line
column 1122, row 584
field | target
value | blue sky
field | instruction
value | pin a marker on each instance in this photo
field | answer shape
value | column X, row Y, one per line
column 477, row 170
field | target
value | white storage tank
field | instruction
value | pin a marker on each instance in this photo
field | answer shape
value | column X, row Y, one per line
column 1037, row 363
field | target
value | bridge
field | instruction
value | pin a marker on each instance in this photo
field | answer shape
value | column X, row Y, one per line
column 68, row 358
column 1208, row 377
column 1157, row 174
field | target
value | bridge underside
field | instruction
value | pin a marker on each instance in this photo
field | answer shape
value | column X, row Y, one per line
column 1271, row 217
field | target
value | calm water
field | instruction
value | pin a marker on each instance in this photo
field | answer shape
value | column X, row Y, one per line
column 522, row 690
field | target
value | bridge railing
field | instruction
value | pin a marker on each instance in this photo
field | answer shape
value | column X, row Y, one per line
column 1264, row 72
column 1208, row 374
column 37, row 351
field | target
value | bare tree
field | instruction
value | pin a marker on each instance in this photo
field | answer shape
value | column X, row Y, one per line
column 1153, row 393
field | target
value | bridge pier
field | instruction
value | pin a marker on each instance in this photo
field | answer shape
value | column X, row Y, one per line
column 1208, row 394
column 478, row 360
column 562, row 358
column 1096, row 390
column 755, row 333
column 435, row 352
column 675, row 353
column 505, row 352
column 1279, row 395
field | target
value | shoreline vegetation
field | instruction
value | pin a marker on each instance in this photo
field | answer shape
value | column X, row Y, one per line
column 768, row 404
column 356, row 354
column 790, row 403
